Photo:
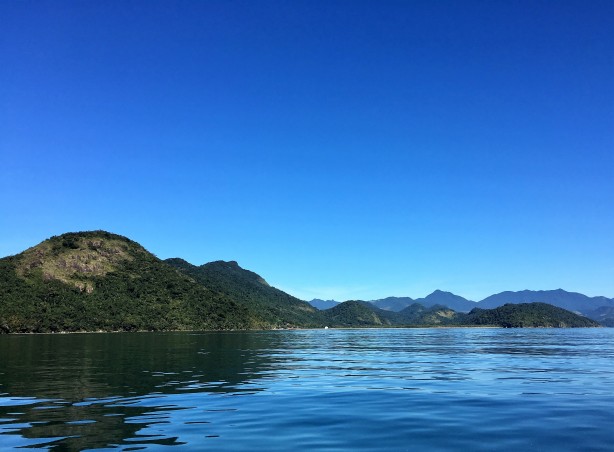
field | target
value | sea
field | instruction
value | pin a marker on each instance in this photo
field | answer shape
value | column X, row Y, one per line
column 448, row 389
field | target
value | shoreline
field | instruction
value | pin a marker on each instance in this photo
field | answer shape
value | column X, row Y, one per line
column 418, row 327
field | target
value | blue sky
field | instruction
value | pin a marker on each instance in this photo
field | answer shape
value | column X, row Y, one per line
column 341, row 149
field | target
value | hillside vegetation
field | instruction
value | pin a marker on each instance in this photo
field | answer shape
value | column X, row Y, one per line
column 526, row 315
column 228, row 278
column 354, row 314
column 98, row 281
column 93, row 281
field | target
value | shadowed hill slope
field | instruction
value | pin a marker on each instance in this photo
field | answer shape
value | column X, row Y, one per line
column 357, row 314
column 246, row 287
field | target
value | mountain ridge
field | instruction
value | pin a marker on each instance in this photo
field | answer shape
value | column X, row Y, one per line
column 573, row 301
column 558, row 297
column 99, row 281
column 228, row 278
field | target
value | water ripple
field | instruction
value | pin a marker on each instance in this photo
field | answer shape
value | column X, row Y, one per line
column 432, row 389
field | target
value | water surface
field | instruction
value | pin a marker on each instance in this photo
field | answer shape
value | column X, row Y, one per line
column 393, row 389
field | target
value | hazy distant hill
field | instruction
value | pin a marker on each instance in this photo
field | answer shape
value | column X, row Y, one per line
column 571, row 301
column 438, row 297
column 603, row 315
column 395, row 304
column 448, row 299
column 323, row 304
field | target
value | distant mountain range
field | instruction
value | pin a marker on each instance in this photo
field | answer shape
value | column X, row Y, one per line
column 571, row 301
column 323, row 304
column 438, row 297
column 98, row 281
column 597, row 308
column 364, row 314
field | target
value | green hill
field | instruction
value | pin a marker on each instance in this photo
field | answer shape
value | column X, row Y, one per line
column 418, row 314
column 92, row 281
column 356, row 314
column 248, row 288
column 526, row 315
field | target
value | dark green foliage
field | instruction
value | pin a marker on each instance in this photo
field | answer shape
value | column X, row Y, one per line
column 357, row 314
column 526, row 315
column 141, row 293
column 249, row 289
column 417, row 314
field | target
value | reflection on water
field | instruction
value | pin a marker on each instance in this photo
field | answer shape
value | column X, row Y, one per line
column 93, row 390
column 479, row 389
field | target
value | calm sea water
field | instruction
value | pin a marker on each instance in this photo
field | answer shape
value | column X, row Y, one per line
column 389, row 389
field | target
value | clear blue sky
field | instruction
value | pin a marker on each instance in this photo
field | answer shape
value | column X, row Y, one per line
column 341, row 149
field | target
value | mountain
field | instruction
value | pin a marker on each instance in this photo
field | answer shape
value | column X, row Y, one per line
column 356, row 314
column 248, row 288
column 438, row 297
column 98, row 281
column 603, row 315
column 571, row 301
column 448, row 299
column 395, row 304
column 418, row 314
column 526, row 315
column 92, row 281
column 323, row 304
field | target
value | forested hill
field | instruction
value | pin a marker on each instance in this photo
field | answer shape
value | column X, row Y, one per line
column 98, row 281
column 527, row 315
column 92, row 281
column 247, row 287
